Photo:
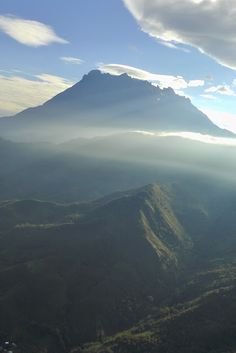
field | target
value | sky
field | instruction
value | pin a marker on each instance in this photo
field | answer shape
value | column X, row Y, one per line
column 189, row 45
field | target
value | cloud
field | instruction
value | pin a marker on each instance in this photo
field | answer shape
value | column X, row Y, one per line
column 164, row 81
column 209, row 25
column 182, row 93
column 221, row 89
column 196, row 83
column 203, row 138
column 169, row 45
column 195, row 136
column 18, row 93
column 56, row 81
column 27, row 32
column 72, row 60
column 173, row 46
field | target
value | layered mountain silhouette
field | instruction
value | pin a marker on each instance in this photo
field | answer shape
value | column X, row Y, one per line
column 112, row 102
column 86, row 169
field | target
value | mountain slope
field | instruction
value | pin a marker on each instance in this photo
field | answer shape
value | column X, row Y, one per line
column 205, row 324
column 103, row 101
column 93, row 276
column 73, row 274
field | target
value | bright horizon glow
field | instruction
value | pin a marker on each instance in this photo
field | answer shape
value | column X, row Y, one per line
column 194, row 136
column 222, row 119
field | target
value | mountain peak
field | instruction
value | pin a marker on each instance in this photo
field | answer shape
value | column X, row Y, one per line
column 101, row 100
column 92, row 74
column 98, row 74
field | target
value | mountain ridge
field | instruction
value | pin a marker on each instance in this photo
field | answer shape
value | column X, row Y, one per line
column 95, row 263
column 101, row 100
column 130, row 261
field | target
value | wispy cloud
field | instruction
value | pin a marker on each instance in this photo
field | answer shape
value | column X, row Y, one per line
column 195, row 136
column 173, row 46
column 164, row 81
column 196, row 83
column 18, row 93
column 208, row 25
column 203, row 138
column 28, row 32
column 72, row 60
column 225, row 90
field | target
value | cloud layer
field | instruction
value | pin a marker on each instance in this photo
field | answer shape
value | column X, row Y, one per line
column 31, row 33
column 164, row 81
column 18, row 93
column 209, row 25
column 195, row 136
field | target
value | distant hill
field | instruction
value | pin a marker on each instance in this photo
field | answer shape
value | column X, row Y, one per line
column 84, row 170
column 102, row 101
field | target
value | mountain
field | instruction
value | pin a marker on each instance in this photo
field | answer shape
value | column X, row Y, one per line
column 199, row 315
column 149, row 261
column 106, row 103
column 65, row 283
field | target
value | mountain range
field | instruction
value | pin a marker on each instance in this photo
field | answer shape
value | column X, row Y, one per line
column 86, row 169
column 102, row 102
column 121, row 243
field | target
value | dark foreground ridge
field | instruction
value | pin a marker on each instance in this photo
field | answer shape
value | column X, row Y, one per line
column 147, row 270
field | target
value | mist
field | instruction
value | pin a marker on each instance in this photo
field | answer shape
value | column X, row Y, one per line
column 86, row 168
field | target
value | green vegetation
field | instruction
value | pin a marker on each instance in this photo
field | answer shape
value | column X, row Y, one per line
column 148, row 270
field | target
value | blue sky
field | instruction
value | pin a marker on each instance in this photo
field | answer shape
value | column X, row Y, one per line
column 118, row 32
